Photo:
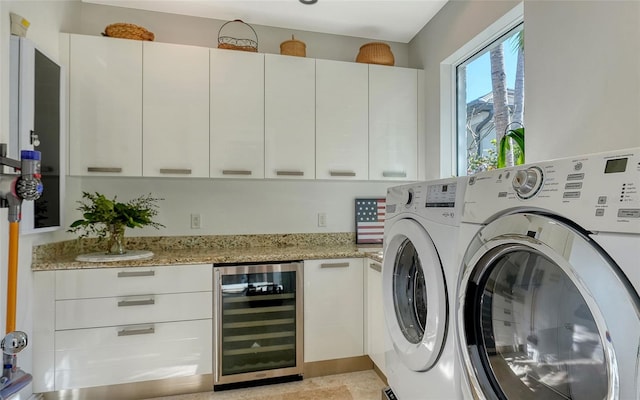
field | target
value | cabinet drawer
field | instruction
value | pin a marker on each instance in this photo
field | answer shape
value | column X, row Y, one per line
column 106, row 282
column 109, row 311
column 102, row 356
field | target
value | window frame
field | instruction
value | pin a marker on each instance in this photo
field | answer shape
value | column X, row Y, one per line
column 448, row 86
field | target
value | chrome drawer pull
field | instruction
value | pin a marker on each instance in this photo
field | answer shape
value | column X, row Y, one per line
column 394, row 174
column 179, row 171
column 129, row 303
column 289, row 173
column 142, row 331
column 131, row 274
column 376, row 267
column 236, row 172
column 104, row 169
column 334, row 265
column 342, row 173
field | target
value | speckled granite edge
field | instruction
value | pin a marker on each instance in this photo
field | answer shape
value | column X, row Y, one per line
column 203, row 249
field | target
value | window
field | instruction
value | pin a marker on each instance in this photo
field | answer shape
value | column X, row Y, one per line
column 489, row 100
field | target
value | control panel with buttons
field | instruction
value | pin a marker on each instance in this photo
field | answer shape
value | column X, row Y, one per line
column 600, row 192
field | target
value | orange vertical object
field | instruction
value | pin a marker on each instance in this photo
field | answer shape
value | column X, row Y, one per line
column 12, row 279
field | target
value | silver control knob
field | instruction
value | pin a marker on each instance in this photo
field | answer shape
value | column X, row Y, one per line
column 408, row 197
column 527, row 182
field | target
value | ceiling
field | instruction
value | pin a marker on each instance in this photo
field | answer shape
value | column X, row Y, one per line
column 386, row 20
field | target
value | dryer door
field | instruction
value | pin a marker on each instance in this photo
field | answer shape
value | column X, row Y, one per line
column 414, row 295
column 544, row 313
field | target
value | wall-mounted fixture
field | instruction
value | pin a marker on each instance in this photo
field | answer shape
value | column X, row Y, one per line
column 36, row 123
column 308, row 1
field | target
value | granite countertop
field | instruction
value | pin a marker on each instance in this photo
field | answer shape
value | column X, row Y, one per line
column 219, row 250
column 208, row 256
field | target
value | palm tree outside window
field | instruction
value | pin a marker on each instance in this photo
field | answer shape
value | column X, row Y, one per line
column 490, row 100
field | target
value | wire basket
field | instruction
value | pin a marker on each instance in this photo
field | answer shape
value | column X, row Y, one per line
column 237, row 28
column 375, row 53
column 128, row 31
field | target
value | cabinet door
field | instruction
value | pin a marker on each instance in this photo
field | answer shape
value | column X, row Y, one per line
column 376, row 329
column 175, row 110
column 289, row 117
column 393, row 123
column 341, row 120
column 237, row 114
column 105, row 106
column 333, row 309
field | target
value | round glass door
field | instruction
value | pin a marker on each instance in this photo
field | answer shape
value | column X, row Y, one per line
column 533, row 329
column 545, row 313
column 414, row 295
column 410, row 293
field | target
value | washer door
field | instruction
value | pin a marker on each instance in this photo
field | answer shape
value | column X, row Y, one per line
column 544, row 313
column 414, row 295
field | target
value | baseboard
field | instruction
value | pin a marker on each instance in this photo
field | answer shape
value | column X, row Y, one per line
column 338, row 366
column 380, row 374
column 138, row 390
column 198, row 383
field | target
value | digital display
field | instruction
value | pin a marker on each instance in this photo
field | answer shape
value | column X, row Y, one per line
column 617, row 165
column 442, row 195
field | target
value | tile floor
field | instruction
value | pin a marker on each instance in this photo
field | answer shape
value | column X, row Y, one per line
column 363, row 385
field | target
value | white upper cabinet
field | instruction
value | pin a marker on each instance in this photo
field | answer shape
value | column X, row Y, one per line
column 158, row 109
column 175, row 109
column 237, row 114
column 342, row 124
column 289, row 117
column 393, row 123
column 105, row 106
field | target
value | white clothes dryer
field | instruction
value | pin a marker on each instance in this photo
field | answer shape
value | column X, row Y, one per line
column 547, row 302
column 419, row 275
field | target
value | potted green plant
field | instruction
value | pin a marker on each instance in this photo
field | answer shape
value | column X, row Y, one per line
column 108, row 218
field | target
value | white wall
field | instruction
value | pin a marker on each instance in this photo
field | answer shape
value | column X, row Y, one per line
column 582, row 73
column 196, row 31
column 239, row 206
column 582, row 84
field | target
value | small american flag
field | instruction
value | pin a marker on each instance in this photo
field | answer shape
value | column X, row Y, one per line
column 370, row 220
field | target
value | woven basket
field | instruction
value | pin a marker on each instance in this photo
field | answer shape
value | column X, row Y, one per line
column 293, row 47
column 128, row 31
column 233, row 43
column 375, row 53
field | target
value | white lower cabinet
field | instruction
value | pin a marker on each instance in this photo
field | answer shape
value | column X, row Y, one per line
column 333, row 309
column 138, row 324
column 132, row 353
column 375, row 333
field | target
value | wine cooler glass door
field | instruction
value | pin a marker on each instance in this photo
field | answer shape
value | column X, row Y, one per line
column 259, row 322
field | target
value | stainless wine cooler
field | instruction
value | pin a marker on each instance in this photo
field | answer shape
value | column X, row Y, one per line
column 258, row 322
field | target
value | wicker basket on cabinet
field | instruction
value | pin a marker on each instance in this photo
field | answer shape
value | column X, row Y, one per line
column 375, row 53
column 128, row 31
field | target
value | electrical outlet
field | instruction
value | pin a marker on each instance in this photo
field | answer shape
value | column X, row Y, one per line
column 322, row 219
column 195, row 221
